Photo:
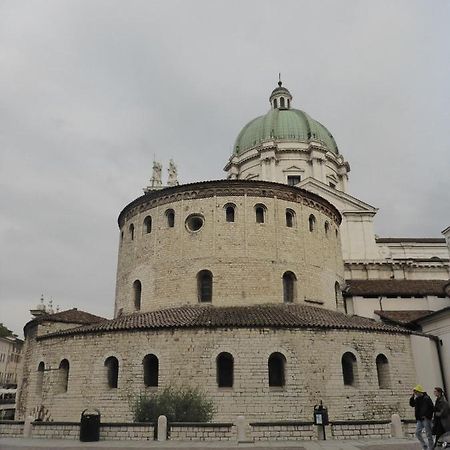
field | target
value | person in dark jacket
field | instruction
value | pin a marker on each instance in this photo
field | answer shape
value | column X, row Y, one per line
column 423, row 409
column 441, row 422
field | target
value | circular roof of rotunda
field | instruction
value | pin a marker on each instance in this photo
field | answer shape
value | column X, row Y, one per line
column 283, row 123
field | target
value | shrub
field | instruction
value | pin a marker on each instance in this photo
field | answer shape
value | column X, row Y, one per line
column 178, row 404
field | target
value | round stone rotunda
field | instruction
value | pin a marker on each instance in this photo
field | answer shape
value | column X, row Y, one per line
column 233, row 286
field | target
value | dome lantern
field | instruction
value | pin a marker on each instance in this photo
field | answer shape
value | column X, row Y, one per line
column 281, row 97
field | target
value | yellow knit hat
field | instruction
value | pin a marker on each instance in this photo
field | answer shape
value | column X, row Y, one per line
column 419, row 388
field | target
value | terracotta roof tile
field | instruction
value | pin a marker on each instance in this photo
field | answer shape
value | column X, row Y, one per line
column 199, row 316
column 411, row 288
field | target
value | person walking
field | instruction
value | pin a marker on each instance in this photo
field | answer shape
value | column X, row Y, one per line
column 423, row 409
column 441, row 421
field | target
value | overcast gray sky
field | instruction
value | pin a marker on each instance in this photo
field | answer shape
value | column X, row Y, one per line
column 91, row 90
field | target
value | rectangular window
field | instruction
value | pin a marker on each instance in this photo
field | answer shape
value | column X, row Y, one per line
column 292, row 180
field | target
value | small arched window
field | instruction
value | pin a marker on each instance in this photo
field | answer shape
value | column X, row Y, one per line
column 131, row 231
column 63, row 376
column 312, row 222
column 147, row 225
column 137, row 294
column 349, row 368
column 151, row 370
column 384, row 381
column 121, row 236
column 204, row 286
column 327, row 227
column 290, row 218
column 337, row 293
column 260, row 213
column 225, row 368
column 275, row 103
column 112, row 371
column 170, row 215
column 230, row 212
column 277, row 367
column 40, row 378
column 289, row 285
column 282, row 102
column 288, row 103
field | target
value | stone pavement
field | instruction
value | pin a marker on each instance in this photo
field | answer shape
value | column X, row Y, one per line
column 366, row 444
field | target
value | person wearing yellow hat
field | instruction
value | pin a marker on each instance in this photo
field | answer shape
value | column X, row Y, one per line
column 423, row 409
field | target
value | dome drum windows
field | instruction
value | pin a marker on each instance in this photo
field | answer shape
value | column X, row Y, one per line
column 312, row 223
column 204, row 286
column 137, row 294
column 384, row 381
column 131, row 231
column 63, row 376
column 260, row 213
column 112, row 372
column 290, row 218
column 230, row 212
column 289, row 287
column 349, row 369
column 147, row 225
column 194, row 222
column 170, row 217
column 151, row 370
column 224, row 370
column 277, row 368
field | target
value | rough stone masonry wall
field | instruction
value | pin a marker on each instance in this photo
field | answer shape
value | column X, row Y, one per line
column 313, row 372
column 247, row 259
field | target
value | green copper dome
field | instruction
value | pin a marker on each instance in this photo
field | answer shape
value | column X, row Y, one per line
column 283, row 123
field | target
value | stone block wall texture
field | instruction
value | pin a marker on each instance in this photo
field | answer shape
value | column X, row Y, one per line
column 247, row 259
column 350, row 430
column 9, row 428
column 188, row 356
column 202, row 432
column 283, row 432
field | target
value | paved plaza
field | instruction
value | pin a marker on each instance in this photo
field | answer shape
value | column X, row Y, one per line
column 40, row 444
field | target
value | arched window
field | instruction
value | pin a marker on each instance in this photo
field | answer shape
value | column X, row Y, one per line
column 63, row 376
column 204, row 286
column 277, row 367
column 275, row 103
column 148, row 225
column 288, row 103
column 349, row 369
column 229, row 212
column 225, row 368
column 112, row 371
column 282, row 102
column 170, row 215
column 40, row 378
column 131, row 230
column 337, row 293
column 151, row 370
column 289, row 282
column 290, row 218
column 137, row 294
column 327, row 227
column 312, row 222
column 260, row 212
column 384, row 381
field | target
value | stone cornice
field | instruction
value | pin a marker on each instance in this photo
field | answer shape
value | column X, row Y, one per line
column 225, row 188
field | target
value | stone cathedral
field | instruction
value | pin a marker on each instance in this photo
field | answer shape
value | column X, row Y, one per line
column 263, row 288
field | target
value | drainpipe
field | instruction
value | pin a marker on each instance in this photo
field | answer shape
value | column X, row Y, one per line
column 441, row 365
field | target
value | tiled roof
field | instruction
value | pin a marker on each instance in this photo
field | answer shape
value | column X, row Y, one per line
column 383, row 240
column 74, row 316
column 260, row 316
column 403, row 317
column 376, row 288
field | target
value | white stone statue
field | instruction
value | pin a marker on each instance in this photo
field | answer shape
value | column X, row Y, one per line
column 156, row 175
column 172, row 170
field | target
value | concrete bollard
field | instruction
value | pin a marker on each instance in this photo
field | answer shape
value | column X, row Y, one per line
column 27, row 427
column 162, row 428
column 396, row 426
column 242, row 430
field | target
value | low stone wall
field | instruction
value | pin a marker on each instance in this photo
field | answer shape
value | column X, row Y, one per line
column 11, row 428
column 55, row 430
column 127, row 431
column 283, row 431
column 186, row 431
column 409, row 427
column 360, row 429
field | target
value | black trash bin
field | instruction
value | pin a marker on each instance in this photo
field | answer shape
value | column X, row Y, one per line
column 90, row 425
